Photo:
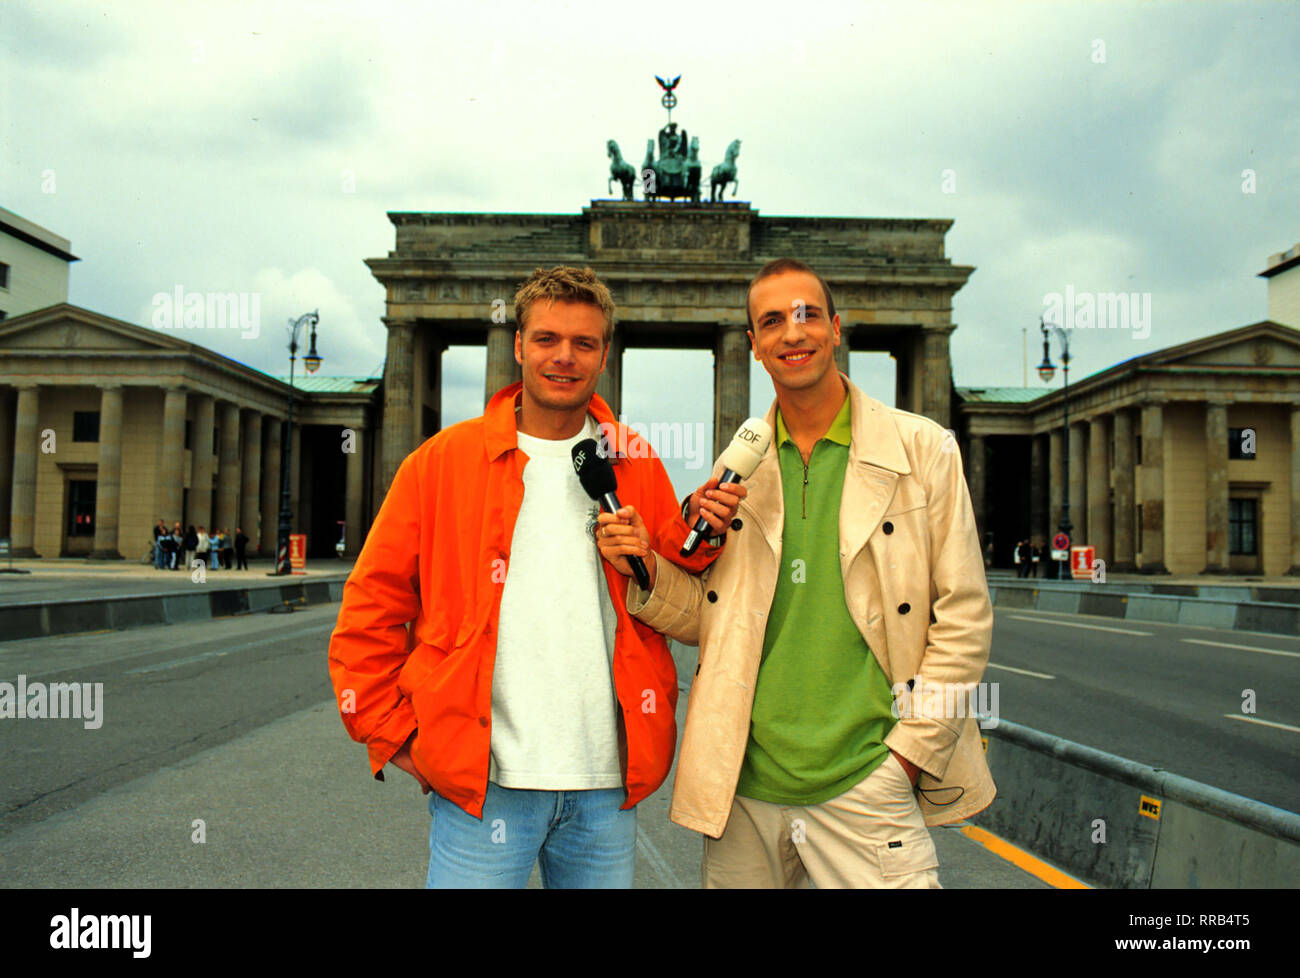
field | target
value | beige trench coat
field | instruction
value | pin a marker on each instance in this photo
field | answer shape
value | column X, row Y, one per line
column 914, row 584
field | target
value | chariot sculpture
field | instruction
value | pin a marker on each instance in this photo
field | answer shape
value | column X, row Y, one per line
column 675, row 174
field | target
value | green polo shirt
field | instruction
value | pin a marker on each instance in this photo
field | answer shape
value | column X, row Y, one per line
column 822, row 704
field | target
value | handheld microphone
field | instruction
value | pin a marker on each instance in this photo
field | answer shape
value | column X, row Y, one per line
column 739, row 460
column 598, row 480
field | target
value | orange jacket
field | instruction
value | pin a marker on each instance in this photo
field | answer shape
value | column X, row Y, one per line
column 436, row 557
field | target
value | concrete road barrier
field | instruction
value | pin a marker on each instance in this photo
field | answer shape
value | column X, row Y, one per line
column 1234, row 609
column 1117, row 823
column 42, row 619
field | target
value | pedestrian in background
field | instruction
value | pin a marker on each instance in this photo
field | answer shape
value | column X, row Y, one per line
column 1035, row 556
column 227, row 548
column 241, row 549
column 191, row 547
column 159, row 532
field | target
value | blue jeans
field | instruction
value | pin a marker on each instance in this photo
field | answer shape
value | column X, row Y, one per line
column 581, row 839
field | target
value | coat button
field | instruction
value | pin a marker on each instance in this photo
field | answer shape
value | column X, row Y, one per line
column 712, row 596
column 482, row 721
column 736, row 524
column 904, row 608
column 888, row 527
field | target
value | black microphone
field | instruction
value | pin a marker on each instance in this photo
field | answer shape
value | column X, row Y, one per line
column 739, row 460
column 597, row 478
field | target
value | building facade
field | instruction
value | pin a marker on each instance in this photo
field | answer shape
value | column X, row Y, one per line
column 1182, row 461
column 108, row 427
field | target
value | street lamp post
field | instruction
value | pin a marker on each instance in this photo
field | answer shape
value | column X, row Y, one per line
column 312, row 362
column 1047, row 370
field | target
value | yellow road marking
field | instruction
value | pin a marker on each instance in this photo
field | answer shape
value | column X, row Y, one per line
column 1030, row 864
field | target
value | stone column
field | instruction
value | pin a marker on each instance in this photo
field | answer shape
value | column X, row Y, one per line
column 842, row 351
column 1078, row 486
column 1153, row 489
column 399, row 396
column 730, row 384
column 171, row 457
column 352, row 499
column 271, row 461
column 610, row 384
column 202, row 461
column 1056, row 476
column 1294, row 569
column 936, row 394
column 229, row 476
column 108, row 476
column 1216, row 487
column 1124, row 555
column 978, row 484
column 6, row 459
column 250, row 487
column 22, row 510
column 1099, row 488
column 502, row 370
column 1039, row 504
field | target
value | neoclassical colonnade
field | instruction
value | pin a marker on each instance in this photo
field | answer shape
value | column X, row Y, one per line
column 1151, row 477
column 172, row 417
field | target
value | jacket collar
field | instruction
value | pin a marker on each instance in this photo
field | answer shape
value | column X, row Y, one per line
column 500, row 432
column 875, row 437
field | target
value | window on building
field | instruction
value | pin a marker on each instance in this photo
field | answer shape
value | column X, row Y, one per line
column 1243, row 528
column 1139, row 527
column 1137, row 449
column 189, row 427
column 1241, row 443
column 216, row 438
column 4, row 275
column 85, row 426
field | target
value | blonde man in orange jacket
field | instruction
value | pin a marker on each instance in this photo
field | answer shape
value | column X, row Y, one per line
column 483, row 646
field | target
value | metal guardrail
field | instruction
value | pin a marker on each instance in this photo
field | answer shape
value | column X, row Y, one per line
column 1117, row 823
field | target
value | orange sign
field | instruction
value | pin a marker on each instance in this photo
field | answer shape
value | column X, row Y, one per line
column 298, row 551
column 1081, row 561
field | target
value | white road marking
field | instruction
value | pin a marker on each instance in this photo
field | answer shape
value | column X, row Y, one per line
column 217, row 653
column 1267, row 723
column 1023, row 672
column 1079, row 624
column 1244, row 648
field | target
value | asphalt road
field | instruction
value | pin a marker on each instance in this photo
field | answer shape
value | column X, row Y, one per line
column 1170, row 696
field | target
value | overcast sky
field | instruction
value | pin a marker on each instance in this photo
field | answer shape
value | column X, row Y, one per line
column 256, row 148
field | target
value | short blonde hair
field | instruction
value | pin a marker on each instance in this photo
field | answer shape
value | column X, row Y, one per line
column 570, row 284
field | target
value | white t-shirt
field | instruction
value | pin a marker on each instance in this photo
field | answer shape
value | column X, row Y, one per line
column 554, row 711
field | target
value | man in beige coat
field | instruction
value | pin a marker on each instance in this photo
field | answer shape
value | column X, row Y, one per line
column 842, row 632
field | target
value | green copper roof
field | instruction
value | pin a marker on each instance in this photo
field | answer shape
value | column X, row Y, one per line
column 1002, row 395
column 330, row 385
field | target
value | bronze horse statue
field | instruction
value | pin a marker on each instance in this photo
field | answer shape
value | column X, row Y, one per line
column 725, row 173
column 619, row 170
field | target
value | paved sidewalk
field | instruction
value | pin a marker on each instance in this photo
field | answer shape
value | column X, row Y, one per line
column 62, row 579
